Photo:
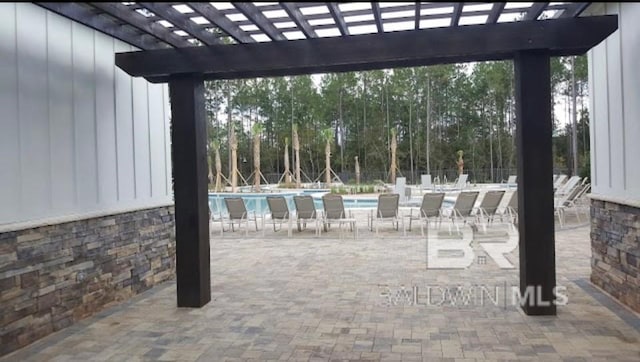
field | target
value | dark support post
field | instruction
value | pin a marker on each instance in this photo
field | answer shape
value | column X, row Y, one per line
column 189, row 159
column 535, row 182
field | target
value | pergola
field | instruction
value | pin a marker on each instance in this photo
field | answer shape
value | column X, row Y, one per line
column 184, row 44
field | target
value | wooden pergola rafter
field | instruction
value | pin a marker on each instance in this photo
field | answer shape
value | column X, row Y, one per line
column 266, row 40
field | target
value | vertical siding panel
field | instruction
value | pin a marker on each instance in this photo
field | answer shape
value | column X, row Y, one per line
column 167, row 139
column 124, row 129
column 156, row 136
column 141, row 139
column 630, row 49
column 60, row 84
column 592, row 134
column 33, row 109
column 614, row 95
column 105, row 119
column 601, row 118
column 10, row 184
column 84, row 89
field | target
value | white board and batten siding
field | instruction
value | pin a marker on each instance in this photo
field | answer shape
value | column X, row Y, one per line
column 78, row 136
column 614, row 81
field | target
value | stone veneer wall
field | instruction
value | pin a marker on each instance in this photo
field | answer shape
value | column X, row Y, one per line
column 615, row 247
column 55, row 275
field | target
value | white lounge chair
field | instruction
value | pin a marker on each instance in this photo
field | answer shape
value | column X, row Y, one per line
column 279, row 213
column 334, row 212
column 387, row 210
column 430, row 209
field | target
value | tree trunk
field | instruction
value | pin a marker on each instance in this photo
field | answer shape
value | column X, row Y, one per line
column 357, row 171
column 392, row 170
column 218, row 171
column 327, row 162
column 256, row 161
column 287, row 172
column 296, row 148
column 233, row 142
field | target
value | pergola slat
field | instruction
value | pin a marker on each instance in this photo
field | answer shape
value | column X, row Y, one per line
column 297, row 17
column 127, row 15
column 457, row 11
column 85, row 16
column 215, row 17
column 338, row 18
column 534, row 11
column 417, row 16
column 496, row 10
column 377, row 15
column 574, row 10
column 373, row 51
column 172, row 15
column 255, row 15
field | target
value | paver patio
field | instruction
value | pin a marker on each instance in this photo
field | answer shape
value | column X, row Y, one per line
column 307, row 298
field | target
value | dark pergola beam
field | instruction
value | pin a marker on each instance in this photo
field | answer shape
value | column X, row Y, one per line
column 215, row 17
column 377, row 16
column 496, row 10
column 562, row 37
column 181, row 22
column 297, row 17
column 337, row 17
column 83, row 15
column 575, row 9
column 534, row 11
column 457, row 11
column 130, row 16
column 417, row 16
column 255, row 15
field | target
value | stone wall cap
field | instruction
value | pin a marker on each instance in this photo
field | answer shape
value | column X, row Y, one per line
column 615, row 199
column 32, row 224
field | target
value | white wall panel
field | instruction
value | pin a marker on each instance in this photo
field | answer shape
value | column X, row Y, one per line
column 167, row 139
column 31, row 27
column 78, row 136
column 105, row 119
column 156, row 132
column 615, row 91
column 142, row 161
column 10, row 185
column 630, row 54
column 124, row 130
column 61, row 139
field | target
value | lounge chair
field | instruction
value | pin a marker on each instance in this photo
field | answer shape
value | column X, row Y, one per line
column 511, row 210
column 387, row 210
column 425, row 182
column 430, row 209
column 559, row 181
column 464, row 206
column 511, row 181
column 334, row 212
column 568, row 186
column 568, row 201
column 279, row 212
column 306, row 210
column 238, row 213
column 489, row 206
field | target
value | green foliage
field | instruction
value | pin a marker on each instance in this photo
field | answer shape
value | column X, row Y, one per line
column 433, row 111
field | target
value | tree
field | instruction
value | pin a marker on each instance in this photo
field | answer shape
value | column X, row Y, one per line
column 394, row 146
column 257, row 133
column 327, row 135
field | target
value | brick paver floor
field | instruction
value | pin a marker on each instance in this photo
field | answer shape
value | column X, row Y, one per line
column 310, row 298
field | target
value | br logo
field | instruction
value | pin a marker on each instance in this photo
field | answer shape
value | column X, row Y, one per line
column 452, row 250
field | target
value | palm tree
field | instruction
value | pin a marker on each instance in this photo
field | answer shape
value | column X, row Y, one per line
column 394, row 146
column 233, row 143
column 357, row 171
column 287, row 172
column 215, row 144
column 257, row 132
column 327, row 135
column 296, row 148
